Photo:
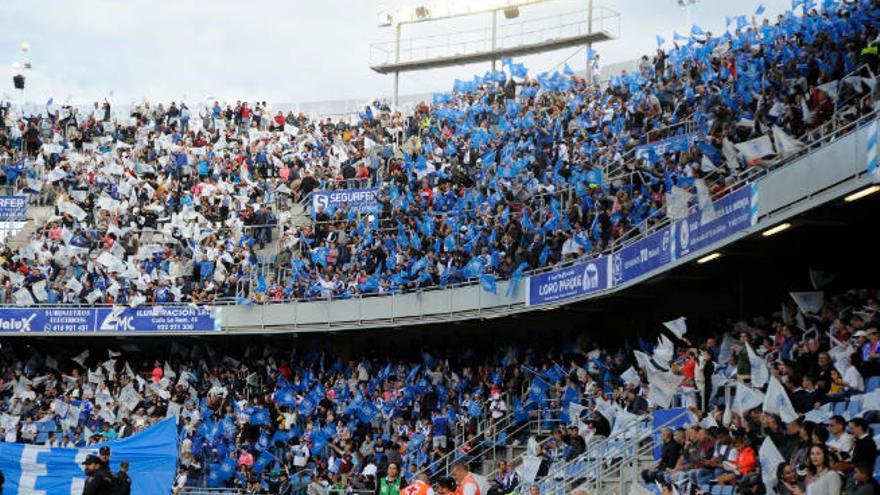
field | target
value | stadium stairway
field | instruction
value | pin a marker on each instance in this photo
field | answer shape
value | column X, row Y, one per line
column 609, row 465
column 37, row 216
column 505, row 439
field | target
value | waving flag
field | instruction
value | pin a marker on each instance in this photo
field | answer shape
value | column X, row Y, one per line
column 152, row 456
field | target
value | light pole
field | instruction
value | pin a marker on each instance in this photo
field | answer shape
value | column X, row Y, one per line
column 688, row 5
column 19, row 69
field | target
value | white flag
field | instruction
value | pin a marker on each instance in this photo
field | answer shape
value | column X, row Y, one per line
column 677, row 203
column 706, row 165
column 173, row 410
column 677, row 326
column 770, row 459
column 785, row 144
column 129, row 397
column 820, row 278
column 662, row 387
column 777, row 402
column 606, row 409
column 113, row 354
column 529, row 468
column 664, row 351
column 81, row 358
column 574, row 413
column 746, row 399
column 809, row 302
column 707, row 207
column 729, row 152
column 51, row 362
column 96, row 376
column 647, row 363
column 630, row 376
column 759, row 368
column 756, row 148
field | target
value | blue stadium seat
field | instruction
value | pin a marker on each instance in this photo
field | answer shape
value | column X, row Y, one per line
column 872, row 384
column 875, row 428
column 501, row 439
column 839, row 408
column 715, row 490
column 854, row 408
column 705, row 488
column 727, row 490
column 877, row 469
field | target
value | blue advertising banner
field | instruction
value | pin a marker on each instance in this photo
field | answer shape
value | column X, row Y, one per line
column 148, row 319
column 642, row 257
column 13, row 208
column 151, row 455
column 565, row 283
column 359, row 200
column 732, row 213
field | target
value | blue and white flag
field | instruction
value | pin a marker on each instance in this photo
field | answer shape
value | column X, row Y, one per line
column 151, row 454
column 777, row 402
column 770, row 459
column 760, row 372
column 746, row 399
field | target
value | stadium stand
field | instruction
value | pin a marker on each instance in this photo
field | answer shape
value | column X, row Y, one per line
column 504, row 174
column 566, row 415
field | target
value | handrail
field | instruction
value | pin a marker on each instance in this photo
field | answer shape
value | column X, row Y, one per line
column 487, row 444
column 617, row 452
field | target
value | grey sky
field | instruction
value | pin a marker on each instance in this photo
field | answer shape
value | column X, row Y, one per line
column 281, row 51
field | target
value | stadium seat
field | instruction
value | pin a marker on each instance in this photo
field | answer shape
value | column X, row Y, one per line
column 872, row 384
column 839, row 408
column 854, row 408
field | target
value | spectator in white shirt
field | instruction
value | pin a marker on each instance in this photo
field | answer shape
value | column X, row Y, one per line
column 839, row 440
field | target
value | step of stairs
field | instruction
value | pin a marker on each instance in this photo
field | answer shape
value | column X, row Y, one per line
column 37, row 216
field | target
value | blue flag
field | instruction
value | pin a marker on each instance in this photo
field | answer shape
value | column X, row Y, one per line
column 487, row 281
column 660, row 41
column 152, row 455
column 760, row 10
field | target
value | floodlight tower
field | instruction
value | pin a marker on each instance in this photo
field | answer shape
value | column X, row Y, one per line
column 551, row 38
column 19, row 71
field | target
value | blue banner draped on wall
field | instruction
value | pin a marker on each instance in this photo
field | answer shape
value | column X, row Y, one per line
column 13, row 208
column 153, row 319
column 577, row 280
column 151, row 454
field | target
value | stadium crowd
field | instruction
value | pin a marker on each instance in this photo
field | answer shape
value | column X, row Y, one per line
column 503, row 174
column 265, row 416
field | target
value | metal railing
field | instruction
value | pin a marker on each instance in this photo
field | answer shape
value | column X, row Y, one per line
column 604, row 463
column 533, row 31
column 489, row 445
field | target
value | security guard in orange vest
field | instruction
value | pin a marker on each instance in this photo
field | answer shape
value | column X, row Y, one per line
column 419, row 487
column 467, row 484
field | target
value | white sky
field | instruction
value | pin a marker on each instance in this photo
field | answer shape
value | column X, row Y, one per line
column 280, row 51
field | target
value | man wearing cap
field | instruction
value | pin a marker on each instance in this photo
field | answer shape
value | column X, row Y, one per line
column 98, row 482
column 122, row 482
